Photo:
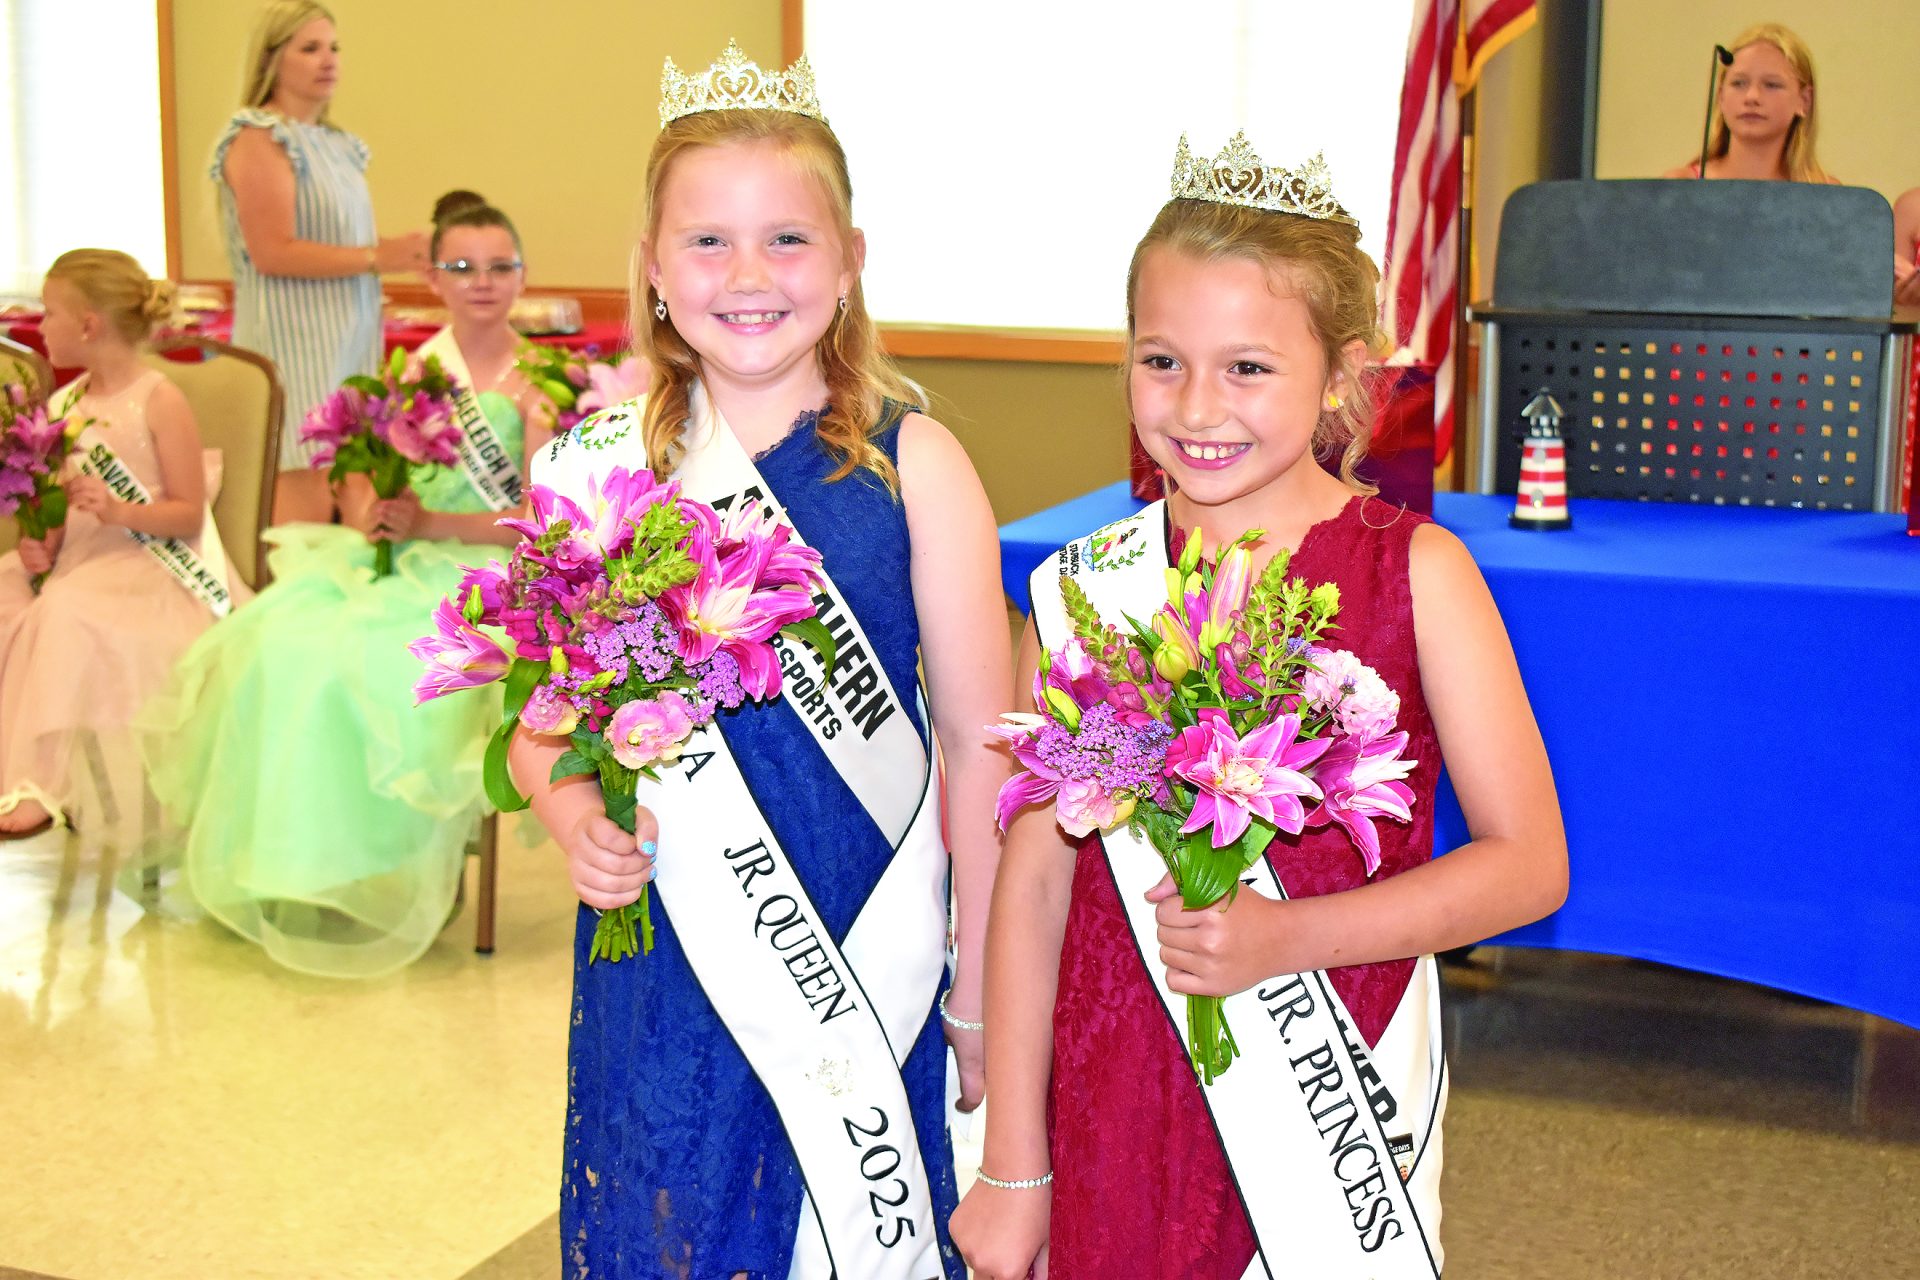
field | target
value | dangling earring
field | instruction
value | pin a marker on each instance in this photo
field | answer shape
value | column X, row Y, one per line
column 659, row 308
column 843, row 302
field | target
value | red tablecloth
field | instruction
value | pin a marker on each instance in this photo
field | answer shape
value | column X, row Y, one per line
column 592, row 340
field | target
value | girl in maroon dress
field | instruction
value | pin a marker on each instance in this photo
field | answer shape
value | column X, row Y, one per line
column 1249, row 321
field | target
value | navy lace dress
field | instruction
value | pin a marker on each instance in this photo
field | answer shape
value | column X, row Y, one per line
column 676, row 1164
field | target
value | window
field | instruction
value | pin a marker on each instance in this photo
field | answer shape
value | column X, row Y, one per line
column 79, row 134
column 1007, row 155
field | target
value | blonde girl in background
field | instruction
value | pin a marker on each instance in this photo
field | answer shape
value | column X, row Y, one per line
column 1763, row 114
column 78, row 659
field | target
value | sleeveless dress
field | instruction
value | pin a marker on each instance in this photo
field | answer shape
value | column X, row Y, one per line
column 318, row 331
column 72, row 671
column 1182, row 1218
column 326, row 815
column 676, row 1164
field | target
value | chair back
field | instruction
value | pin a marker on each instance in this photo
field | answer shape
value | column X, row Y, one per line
column 237, row 402
column 21, row 363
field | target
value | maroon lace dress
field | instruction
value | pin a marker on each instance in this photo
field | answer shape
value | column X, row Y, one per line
column 1141, row 1188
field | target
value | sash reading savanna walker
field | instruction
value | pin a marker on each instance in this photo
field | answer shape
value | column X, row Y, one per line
column 488, row 466
column 202, row 570
column 1334, row 1147
column 824, row 1027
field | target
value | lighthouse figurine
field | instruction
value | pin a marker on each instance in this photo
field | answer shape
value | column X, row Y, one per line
column 1541, row 501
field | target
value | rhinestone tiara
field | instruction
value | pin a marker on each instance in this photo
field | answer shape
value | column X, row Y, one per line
column 1238, row 176
column 737, row 83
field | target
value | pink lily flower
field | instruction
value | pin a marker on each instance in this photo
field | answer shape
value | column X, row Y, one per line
column 732, row 605
column 1238, row 779
column 1232, row 584
column 1360, row 780
column 457, row 656
column 612, row 384
column 425, row 431
column 1071, row 670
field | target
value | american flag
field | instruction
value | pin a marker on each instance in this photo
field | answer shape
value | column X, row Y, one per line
column 1451, row 40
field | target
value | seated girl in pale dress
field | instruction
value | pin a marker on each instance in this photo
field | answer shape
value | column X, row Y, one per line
column 327, row 817
column 78, row 658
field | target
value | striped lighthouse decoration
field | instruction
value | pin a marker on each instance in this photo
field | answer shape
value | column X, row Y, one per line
column 1541, row 502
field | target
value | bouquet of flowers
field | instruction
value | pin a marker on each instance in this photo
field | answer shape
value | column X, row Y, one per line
column 623, row 626
column 385, row 427
column 33, row 446
column 578, row 386
column 1210, row 729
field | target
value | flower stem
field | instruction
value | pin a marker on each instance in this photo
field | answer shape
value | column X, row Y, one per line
column 614, row 937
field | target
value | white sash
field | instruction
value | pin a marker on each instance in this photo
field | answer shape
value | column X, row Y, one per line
column 1313, row 1123
column 824, row 1027
column 202, row 571
column 488, row 465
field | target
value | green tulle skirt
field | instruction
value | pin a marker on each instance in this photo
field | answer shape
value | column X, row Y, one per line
column 326, row 815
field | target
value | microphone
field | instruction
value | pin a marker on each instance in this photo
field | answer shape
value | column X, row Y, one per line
column 1721, row 58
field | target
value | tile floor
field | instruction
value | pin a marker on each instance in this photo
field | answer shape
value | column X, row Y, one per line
column 173, row 1106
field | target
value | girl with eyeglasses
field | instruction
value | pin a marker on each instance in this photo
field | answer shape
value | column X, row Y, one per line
column 327, row 817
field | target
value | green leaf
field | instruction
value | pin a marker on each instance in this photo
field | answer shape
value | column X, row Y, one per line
column 522, row 676
column 501, row 792
column 368, row 386
column 572, row 764
column 814, row 634
column 620, row 806
column 1208, row 874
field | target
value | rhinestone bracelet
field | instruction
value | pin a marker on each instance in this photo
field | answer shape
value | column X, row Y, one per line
column 953, row 1021
column 1018, row 1184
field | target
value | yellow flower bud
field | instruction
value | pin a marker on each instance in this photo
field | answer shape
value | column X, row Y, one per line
column 1170, row 660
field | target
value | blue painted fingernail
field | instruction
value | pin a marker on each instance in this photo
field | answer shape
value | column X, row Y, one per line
column 649, row 848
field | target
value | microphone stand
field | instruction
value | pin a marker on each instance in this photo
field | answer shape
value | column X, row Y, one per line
column 1721, row 58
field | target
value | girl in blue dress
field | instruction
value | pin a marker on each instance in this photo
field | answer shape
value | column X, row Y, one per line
column 679, row 1161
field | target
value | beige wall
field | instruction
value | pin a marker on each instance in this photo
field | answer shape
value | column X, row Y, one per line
column 1653, row 82
column 1508, row 153
column 546, row 108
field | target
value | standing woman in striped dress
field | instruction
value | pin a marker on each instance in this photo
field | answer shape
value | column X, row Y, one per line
column 298, row 223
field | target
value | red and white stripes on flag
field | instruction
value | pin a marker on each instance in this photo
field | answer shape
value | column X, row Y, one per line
column 1450, row 41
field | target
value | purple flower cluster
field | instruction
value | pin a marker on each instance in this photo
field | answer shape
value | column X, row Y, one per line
column 720, row 680
column 644, row 638
column 1108, row 750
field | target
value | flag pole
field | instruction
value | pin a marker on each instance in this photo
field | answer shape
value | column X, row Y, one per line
column 1469, row 140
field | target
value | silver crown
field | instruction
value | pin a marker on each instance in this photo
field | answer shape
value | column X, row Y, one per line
column 737, row 83
column 1238, row 176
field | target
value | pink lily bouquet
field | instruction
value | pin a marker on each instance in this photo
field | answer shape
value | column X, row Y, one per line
column 33, row 447
column 578, row 387
column 1210, row 730
column 622, row 626
column 385, row 427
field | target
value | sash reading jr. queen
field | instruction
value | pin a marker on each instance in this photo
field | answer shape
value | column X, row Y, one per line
column 1333, row 1146
column 824, row 1026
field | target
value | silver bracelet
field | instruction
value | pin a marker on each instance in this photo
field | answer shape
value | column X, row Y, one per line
column 952, row 1021
column 1018, row 1184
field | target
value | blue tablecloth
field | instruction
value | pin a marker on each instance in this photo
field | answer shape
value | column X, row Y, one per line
column 1731, row 701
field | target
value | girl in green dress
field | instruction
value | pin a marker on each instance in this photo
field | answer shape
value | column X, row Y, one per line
column 326, row 815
